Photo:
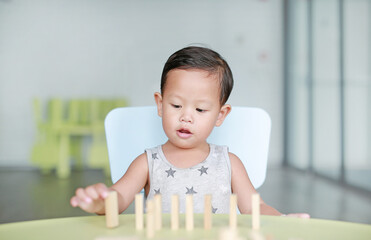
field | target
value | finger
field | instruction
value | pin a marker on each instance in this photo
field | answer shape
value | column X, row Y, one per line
column 102, row 190
column 92, row 193
column 88, row 207
column 74, row 202
column 82, row 196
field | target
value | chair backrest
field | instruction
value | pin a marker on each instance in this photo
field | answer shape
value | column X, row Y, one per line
column 130, row 130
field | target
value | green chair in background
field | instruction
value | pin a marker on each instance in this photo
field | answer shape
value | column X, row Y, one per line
column 45, row 152
column 67, row 129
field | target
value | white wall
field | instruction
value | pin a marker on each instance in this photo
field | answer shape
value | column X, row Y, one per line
column 100, row 48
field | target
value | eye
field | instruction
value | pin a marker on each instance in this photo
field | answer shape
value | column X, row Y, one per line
column 200, row 110
column 175, row 106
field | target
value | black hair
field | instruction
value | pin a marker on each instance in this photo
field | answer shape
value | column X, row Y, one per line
column 201, row 58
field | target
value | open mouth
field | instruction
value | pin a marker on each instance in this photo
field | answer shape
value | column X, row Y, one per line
column 184, row 133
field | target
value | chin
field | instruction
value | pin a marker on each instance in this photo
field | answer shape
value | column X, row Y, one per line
column 183, row 145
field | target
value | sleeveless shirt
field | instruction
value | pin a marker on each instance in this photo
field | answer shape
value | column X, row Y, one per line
column 212, row 176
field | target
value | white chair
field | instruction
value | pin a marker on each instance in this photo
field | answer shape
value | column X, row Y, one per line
column 130, row 130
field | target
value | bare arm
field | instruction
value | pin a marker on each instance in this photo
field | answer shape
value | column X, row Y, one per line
column 134, row 180
column 243, row 188
column 91, row 198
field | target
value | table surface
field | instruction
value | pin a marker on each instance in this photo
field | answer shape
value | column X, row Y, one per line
column 93, row 227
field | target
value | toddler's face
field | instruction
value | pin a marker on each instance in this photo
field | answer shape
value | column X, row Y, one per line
column 190, row 107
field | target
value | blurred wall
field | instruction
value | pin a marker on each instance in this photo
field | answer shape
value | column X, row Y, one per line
column 99, row 48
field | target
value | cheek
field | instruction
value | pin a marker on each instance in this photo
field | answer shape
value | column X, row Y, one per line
column 167, row 121
column 207, row 126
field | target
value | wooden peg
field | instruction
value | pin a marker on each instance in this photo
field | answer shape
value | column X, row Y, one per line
column 207, row 212
column 139, row 211
column 255, row 211
column 189, row 212
column 233, row 211
column 257, row 235
column 150, row 218
column 158, row 211
column 174, row 212
column 228, row 234
column 112, row 212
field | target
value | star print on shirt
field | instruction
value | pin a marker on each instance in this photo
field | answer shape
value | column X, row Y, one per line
column 157, row 191
column 190, row 191
column 170, row 172
column 202, row 170
column 154, row 156
column 214, row 209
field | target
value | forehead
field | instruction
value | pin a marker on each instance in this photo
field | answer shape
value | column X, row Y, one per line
column 195, row 78
column 192, row 86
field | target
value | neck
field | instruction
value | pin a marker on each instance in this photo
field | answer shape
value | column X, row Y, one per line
column 185, row 157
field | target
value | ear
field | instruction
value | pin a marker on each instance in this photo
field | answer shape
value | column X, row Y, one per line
column 158, row 100
column 224, row 111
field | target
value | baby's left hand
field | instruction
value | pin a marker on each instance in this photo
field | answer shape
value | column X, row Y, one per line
column 297, row 215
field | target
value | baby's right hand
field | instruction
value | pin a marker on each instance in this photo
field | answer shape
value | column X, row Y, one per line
column 91, row 198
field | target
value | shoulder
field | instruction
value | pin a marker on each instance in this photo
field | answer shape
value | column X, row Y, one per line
column 138, row 169
column 140, row 161
column 235, row 160
column 141, row 157
column 233, row 156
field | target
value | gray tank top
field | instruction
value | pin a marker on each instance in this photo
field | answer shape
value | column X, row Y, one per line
column 212, row 176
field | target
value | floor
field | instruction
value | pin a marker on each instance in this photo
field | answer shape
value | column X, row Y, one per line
column 28, row 195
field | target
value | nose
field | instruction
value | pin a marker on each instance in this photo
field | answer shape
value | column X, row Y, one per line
column 186, row 117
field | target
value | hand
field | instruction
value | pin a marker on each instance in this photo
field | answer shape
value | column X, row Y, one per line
column 91, row 198
column 297, row 215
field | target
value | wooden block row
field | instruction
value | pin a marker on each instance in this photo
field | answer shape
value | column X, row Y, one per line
column 154, row 212
column 189, row 218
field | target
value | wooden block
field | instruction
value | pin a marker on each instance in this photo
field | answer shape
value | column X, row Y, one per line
column 255, row 211
column 189, row 212
column 158, row 211
column 112, row 211
column 207, row 212
column 228, row 234
column 256, row 235
column 150, row 218
column 139, row 211
column 233, row 211
column 174, row 212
